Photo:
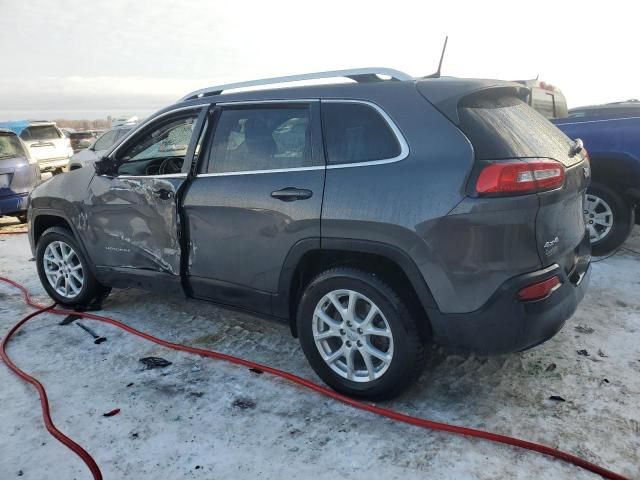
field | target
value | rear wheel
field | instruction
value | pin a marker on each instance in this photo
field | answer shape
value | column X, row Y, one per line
column 64, row 271
column 609, row 219
column 358, row 334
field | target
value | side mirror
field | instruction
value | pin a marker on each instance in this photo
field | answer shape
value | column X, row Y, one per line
column 105, row 166
column 84, row 143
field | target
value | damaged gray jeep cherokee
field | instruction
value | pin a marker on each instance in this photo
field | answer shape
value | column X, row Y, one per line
column 376, row 217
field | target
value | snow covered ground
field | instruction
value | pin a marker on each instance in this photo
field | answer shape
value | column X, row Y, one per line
column 205, row 419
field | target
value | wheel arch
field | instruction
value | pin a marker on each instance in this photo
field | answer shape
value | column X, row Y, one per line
column 43, row 219
column 309, row 257
column 617, row 170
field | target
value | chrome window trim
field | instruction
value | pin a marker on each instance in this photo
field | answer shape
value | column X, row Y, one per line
column 257, row 172
column 595, row 121
column 404, row 146
column 262, row 102
column 144, row 124
column 166, row 175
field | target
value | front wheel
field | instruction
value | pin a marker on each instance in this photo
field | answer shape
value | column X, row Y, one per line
column 609, row 219
column 358, row 334
column 64, row 271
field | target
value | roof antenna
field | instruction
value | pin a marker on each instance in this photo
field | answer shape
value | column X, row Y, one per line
column 437, row 73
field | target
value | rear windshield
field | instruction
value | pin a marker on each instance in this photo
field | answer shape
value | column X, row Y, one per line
column 10, row 147
column 502, row 126
column 44, row 132
column 81, row 135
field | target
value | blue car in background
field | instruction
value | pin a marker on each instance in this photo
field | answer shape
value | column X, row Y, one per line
column 19, row 174
column 611, row 135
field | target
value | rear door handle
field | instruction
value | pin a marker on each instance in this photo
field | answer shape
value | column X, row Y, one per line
column 163, row 194
column 291, row 194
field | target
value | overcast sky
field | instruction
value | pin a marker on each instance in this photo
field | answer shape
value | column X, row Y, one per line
column 88, row 59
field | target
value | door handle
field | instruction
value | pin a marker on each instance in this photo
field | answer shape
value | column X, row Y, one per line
column 291, row 194
column 163, row 194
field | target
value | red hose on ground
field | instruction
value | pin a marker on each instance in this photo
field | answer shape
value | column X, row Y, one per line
column 419, row 422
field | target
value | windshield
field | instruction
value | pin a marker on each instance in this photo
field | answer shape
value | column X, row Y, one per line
column 10, row 147
column 170, row 141
column 43, row 132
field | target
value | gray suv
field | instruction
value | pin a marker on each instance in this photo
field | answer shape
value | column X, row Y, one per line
column 375, row 217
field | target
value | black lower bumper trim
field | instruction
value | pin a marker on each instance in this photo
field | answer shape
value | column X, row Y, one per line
column 507, row 325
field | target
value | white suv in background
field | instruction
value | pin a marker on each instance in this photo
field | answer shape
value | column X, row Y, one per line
column 48, row 146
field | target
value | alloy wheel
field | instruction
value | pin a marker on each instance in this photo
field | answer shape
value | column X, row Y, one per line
column 598, row 217
column 63, row 269
column 352, row 335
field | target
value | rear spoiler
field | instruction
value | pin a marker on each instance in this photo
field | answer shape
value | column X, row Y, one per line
column 445, row 93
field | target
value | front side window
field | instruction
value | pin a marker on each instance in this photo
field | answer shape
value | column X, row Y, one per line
column 160, row 150
column 355, row 132
column 249, row 139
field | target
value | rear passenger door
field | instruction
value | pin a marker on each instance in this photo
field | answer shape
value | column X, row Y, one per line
column 257, row 193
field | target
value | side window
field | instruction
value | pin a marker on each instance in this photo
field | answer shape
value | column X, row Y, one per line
column 258, row 138
column 160, row 150
column 105, row 141
column 355, row 132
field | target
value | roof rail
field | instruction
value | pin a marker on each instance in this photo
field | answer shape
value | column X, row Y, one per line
column 360, row 75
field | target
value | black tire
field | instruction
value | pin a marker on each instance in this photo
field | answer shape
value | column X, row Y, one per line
column 623, row 219
column 409, row 352
column 22, row 217
column 91, row 290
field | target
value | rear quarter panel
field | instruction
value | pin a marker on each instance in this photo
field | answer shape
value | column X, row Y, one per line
column 401, row 203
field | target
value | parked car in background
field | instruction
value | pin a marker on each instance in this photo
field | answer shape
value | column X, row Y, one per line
column 611, row 135
column 19, row 174
column 124, row 120
column 47, row 144
column 626, row 108
column 82, row 140
column 99, row 147
column 374, row 217
column 546, row 98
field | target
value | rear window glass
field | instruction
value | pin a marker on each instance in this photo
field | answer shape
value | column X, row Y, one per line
column 503, row 126
column 357, row 133
column 10, row 146
column 81, row 135
column 45, row 132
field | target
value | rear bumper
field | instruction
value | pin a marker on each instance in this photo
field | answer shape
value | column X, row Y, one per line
column 504, row 324
column 14, row 203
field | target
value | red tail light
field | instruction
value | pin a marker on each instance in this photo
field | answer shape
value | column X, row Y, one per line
column 539, row 290
column 518, row 177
